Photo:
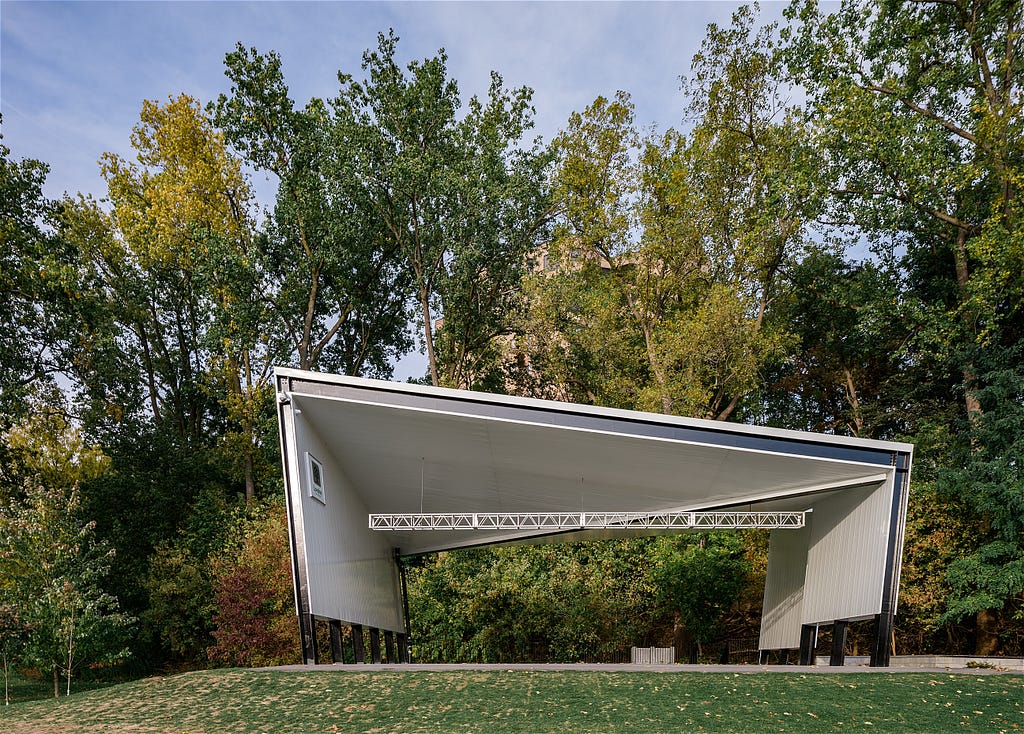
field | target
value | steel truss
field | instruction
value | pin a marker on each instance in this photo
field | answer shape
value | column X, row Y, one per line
column 585, row 520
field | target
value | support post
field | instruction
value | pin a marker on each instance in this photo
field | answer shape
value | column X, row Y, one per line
column 315, row 642
column 694, row 651
column 839, row 630
column 389, row 646
column 883, row 638
column 307, row 632
column 880, row 650
column 337, row 647
column 357, row 643
column 808, row 639
column 375, row 645
column 405, row 641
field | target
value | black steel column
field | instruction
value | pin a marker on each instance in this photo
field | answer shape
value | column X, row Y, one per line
column 839, row 629
column 880, row 650
column 357, row 643
column 315, row 641
column 375, row 645
column 389, row 646
column 307, row 629
column 404, row 641
column 808, row 633
column 883, row 638
column 337, row 646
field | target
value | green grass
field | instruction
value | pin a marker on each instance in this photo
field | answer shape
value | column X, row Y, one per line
column 532, row 701
column 21, row 689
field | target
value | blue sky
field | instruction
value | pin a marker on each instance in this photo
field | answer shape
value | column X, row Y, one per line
column 73, row 75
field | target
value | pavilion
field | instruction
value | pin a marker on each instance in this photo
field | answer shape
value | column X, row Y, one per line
column 376, row 471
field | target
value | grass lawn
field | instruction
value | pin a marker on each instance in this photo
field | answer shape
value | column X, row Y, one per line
column 532, row 701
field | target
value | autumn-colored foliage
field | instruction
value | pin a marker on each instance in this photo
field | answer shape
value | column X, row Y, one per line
column 254, row 621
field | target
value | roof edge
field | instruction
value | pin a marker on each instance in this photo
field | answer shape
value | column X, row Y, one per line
column 579, row 408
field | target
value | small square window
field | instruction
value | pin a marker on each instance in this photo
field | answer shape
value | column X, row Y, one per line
column 316, row 479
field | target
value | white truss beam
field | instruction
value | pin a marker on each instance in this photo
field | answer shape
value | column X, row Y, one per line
column 585, row 520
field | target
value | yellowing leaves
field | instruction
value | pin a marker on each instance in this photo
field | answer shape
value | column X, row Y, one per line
column 52, row 448
column 184, row 186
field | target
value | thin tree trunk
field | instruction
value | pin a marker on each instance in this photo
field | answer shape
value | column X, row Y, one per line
column 71, row 643
column 667, row 404
column 244, row 400
column 250, row 481
column 56, row 682
column 428, row 335
column 971, row 402
column 851, row 398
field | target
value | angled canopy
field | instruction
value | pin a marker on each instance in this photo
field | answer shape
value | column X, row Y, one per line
column 355, row 447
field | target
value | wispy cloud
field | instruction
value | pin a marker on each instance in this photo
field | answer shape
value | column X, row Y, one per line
column 74, row 74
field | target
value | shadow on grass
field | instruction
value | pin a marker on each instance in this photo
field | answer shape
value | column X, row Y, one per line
column 21, row 688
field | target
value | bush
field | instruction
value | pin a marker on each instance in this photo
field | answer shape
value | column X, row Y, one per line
column 254, row 617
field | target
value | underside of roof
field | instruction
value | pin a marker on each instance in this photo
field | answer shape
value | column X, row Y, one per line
column 410, row 449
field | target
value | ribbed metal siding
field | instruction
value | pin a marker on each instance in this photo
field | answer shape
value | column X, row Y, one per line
column 784, row 589
column 846, row 557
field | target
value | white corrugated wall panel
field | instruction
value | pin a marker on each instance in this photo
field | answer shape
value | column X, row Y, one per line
column 351, row 572
column 784, row 589
column 849, row 533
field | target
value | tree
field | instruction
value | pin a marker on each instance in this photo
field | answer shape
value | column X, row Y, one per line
column 986, row 477
column 254, row 610
column 51, row 560
column 701, row 577
column 678, row 247
column 180, row 580
column 31, row 279
column 183, row 214
column 335, row 291
column 565, row 603
column 918, row 109
column 850, row 366
column 461, row 202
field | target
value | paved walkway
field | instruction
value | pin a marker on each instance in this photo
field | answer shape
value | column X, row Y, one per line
column 633, row 668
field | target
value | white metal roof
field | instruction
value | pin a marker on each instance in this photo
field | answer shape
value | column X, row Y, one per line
column 410, row 449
